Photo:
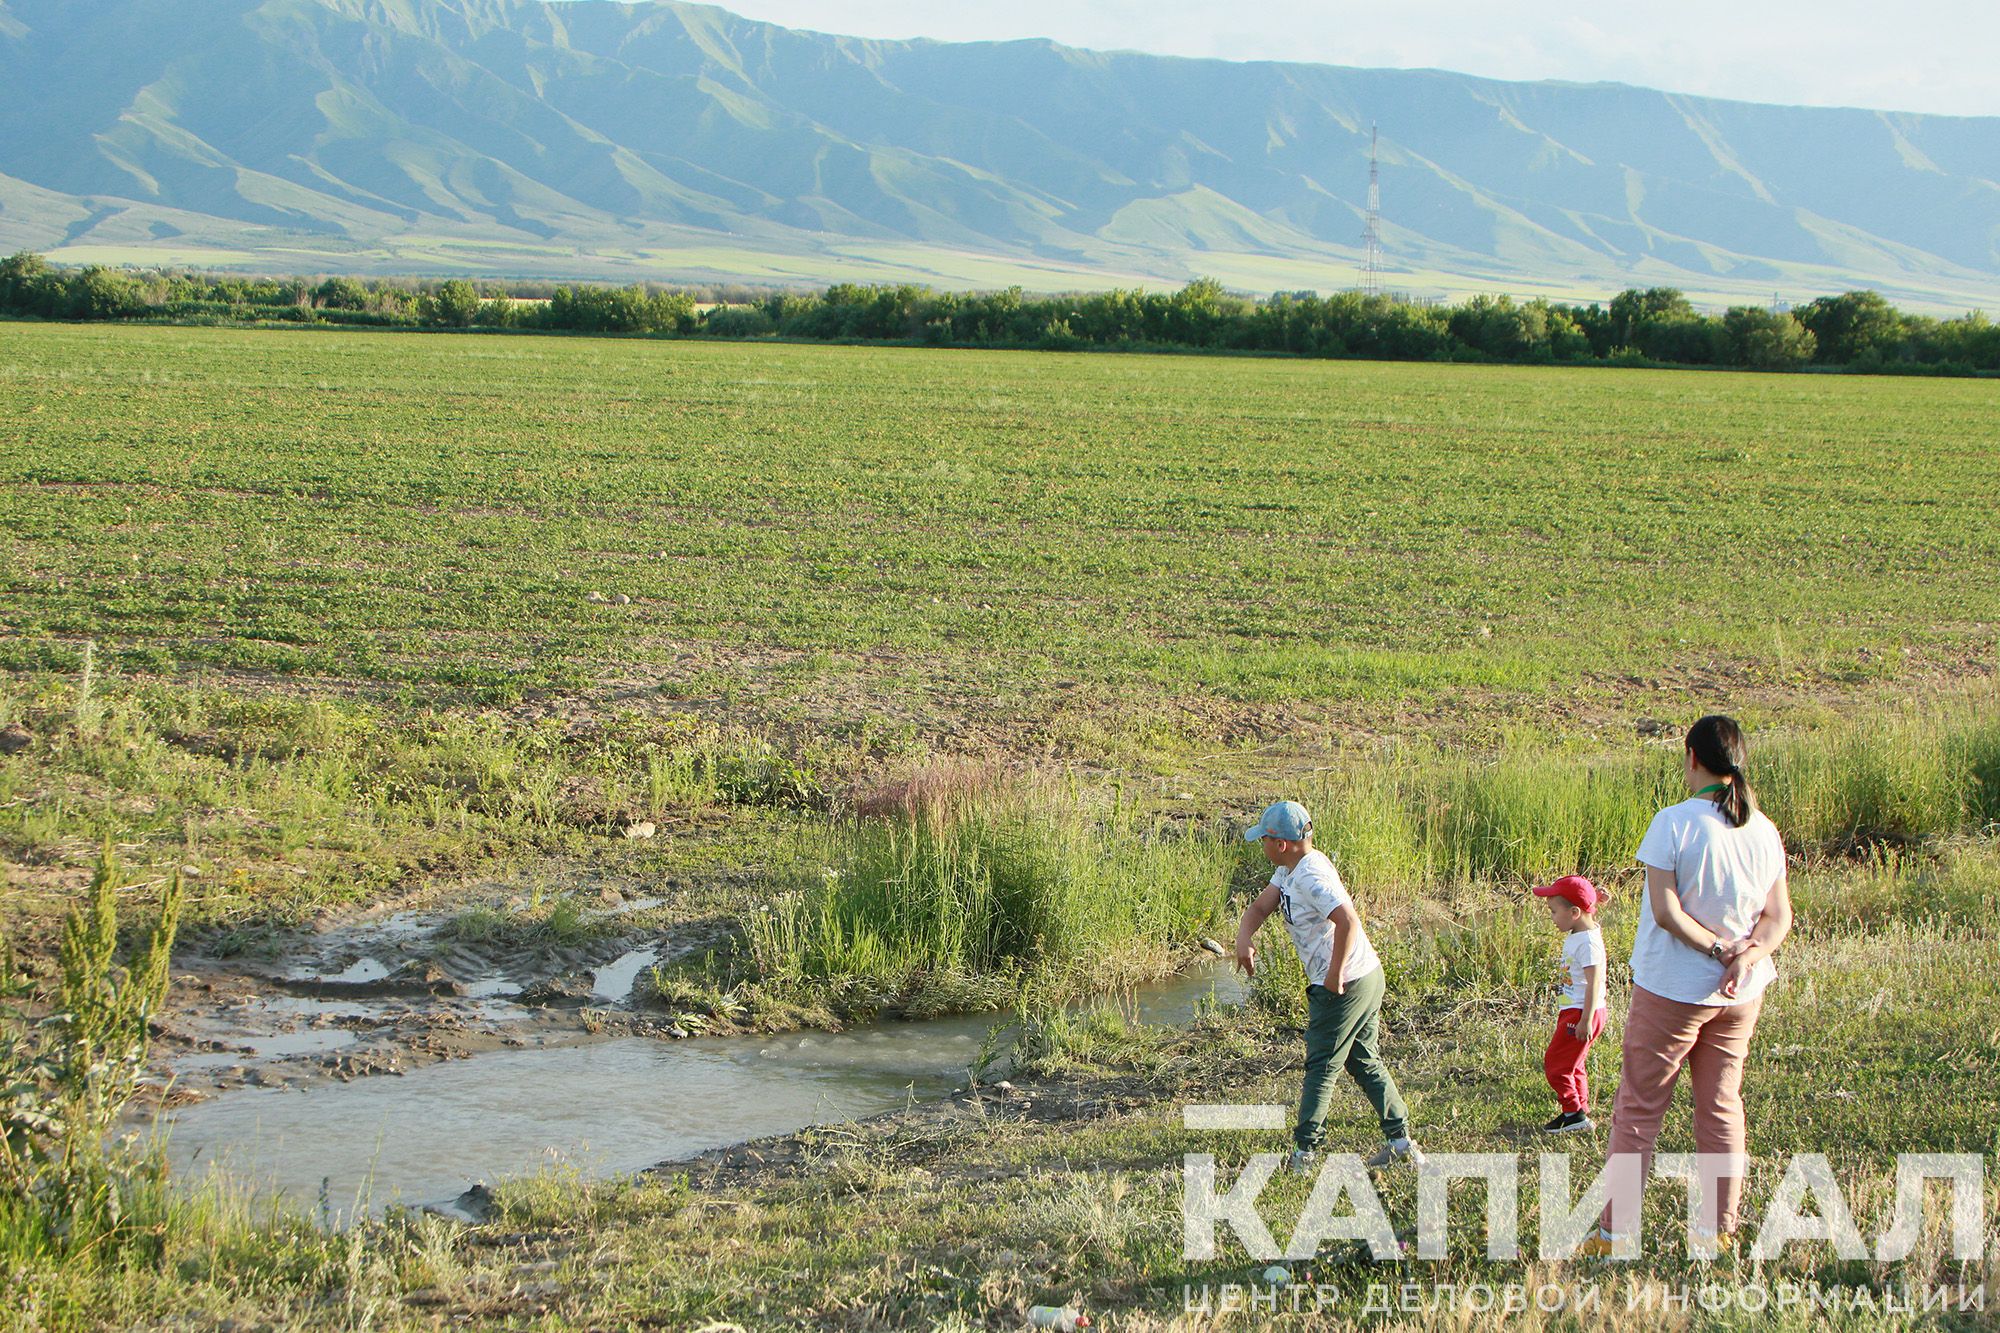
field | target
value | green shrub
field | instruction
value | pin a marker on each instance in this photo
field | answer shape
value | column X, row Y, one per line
column 70, row 1185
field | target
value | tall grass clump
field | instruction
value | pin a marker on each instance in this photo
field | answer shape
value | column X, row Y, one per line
column 1531, row 812
column 71, row 1187
column 1894, row 778
column 1414, row 823
column 954, row 903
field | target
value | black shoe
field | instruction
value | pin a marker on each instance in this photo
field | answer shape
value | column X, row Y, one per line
column 1568, row 1122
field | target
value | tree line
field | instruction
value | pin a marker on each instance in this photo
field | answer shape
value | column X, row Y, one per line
column 1857, row 330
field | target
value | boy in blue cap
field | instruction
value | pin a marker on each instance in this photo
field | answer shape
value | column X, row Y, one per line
column 1343, row 983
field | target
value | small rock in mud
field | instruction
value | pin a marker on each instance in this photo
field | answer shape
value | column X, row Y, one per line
column 476, row 1203
column 555, row 991
column 15, row 738
column 430, row 974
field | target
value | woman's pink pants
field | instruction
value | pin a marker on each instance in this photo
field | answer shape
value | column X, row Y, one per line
column 1661, row 1035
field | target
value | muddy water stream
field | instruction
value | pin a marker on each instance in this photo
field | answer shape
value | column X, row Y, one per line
column 598, row 1107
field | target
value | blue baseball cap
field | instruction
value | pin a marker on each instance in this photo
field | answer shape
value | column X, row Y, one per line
column 1282, row 819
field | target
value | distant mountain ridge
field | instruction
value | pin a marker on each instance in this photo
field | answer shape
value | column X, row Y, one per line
column 674, row 140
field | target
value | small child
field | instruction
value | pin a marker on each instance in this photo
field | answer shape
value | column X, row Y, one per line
column 1344, row 985
column 1573, row 904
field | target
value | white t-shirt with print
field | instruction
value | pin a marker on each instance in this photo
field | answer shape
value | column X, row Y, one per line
column 1581, row 949
column 1308, row 894
column 1724, row 876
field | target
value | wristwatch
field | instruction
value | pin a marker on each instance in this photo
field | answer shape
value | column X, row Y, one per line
column 1715, row 951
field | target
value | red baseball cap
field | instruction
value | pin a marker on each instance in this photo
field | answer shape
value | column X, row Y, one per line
column 1573, row 889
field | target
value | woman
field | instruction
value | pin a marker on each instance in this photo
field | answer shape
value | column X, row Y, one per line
column 1719, row 907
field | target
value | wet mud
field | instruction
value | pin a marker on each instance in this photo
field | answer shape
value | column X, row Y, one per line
column 395, row 1060
column 402, row 991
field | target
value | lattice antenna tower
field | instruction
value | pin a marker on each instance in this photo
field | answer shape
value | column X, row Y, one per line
column 1371, row 237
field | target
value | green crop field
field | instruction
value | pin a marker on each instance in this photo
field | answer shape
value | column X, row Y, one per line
column 984, row 541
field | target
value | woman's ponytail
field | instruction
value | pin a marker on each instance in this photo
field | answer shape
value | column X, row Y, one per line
column 1717, row 745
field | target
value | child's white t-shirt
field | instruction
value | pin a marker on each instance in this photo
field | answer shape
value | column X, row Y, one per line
column 1581, row 949
column 1724, row 875
column 1308, row 894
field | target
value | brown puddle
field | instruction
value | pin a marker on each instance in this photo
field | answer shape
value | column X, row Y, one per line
column 597, row 1107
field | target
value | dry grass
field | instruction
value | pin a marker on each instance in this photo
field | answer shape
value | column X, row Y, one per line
column 935, row 792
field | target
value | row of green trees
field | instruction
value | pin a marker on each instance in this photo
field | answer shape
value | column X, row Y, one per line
column 1855, row 330
column 30, row 286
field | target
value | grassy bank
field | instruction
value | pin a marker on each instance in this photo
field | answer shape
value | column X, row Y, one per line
column 958, row 883
column 1878, row 1040
column 277, row 808
column 929, row 884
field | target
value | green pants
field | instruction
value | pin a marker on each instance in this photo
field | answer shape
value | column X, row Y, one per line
column 1342, row 1033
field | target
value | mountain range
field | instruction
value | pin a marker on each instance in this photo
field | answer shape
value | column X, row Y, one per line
column 680, row 142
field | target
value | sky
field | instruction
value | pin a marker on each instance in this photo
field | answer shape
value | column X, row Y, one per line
column 1913, row 55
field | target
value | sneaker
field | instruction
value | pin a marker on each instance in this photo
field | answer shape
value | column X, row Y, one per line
column 1596, row 1245
column 1401, row 1150
column 1302, row 1161
column 1568, row 1122
column 1710, row 1247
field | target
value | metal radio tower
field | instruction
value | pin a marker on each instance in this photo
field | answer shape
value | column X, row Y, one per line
column 1371, row 238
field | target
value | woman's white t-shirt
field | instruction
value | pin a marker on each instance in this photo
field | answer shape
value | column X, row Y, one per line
column 1724, row 875
column 1308, row 894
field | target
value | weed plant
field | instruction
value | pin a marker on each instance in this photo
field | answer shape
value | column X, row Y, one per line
column 75, row 1186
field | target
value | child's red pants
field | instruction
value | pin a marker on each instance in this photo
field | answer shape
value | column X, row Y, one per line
column 1564, row 1061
